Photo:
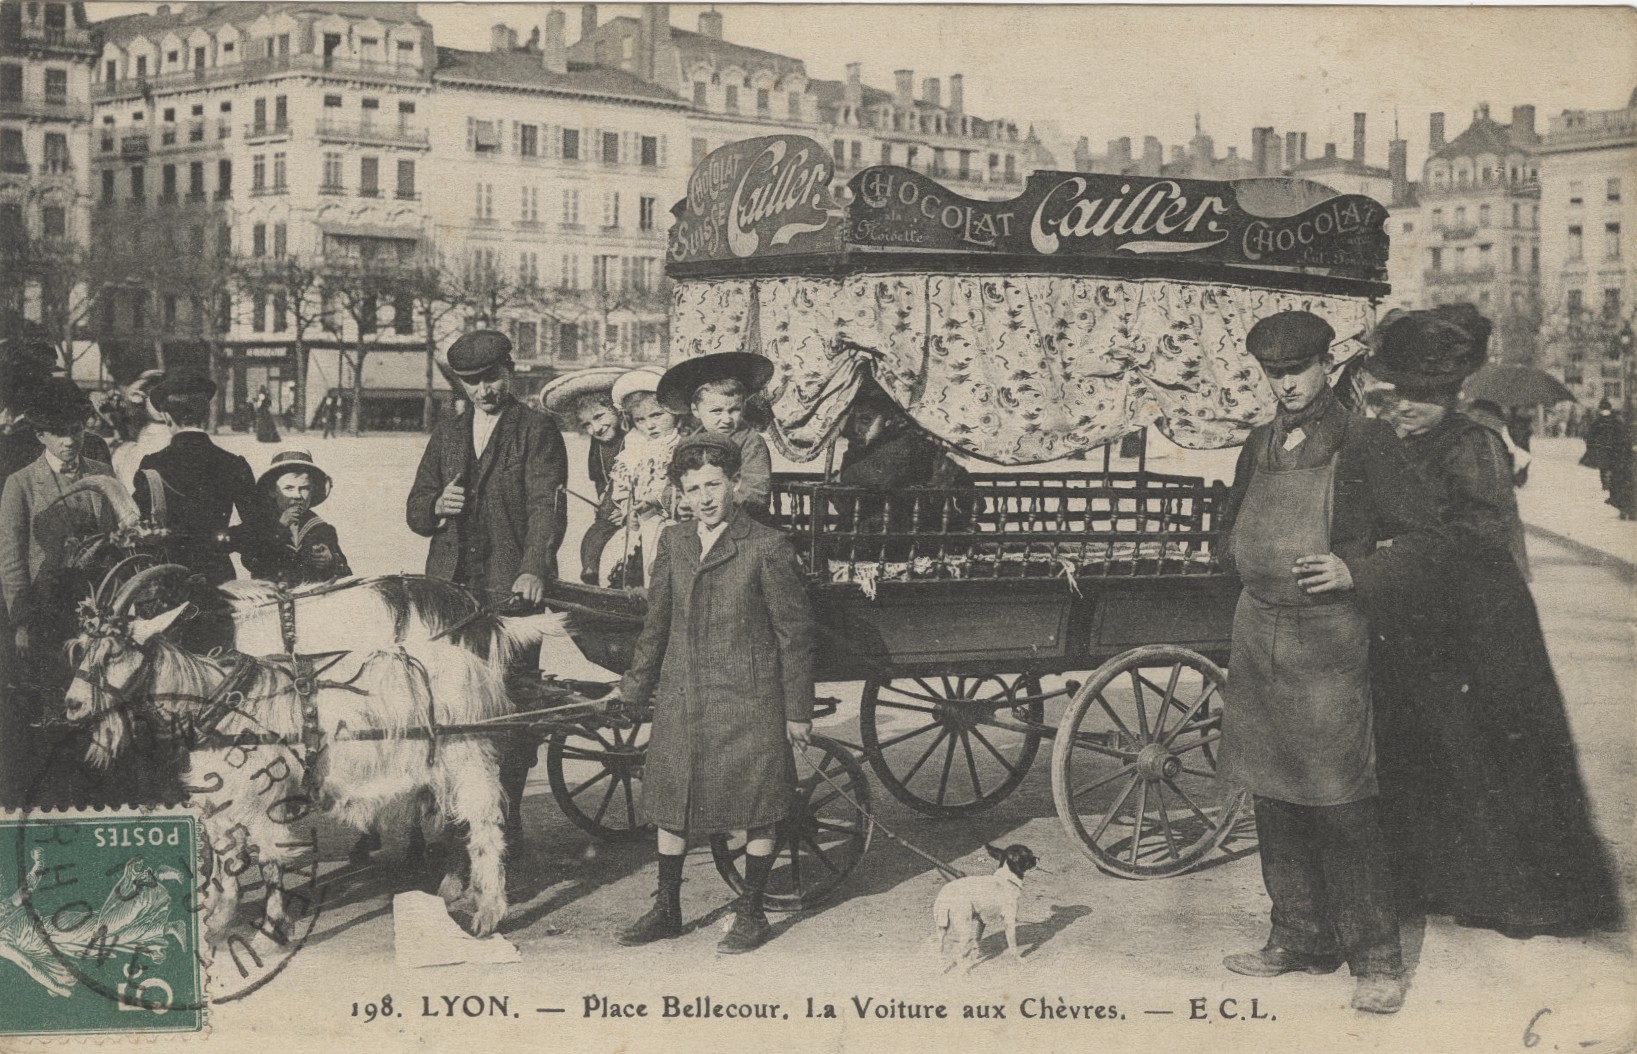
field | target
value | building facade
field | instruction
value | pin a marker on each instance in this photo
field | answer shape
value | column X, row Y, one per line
column 1473, row 233
column 260, row 167
column 1588, row 216
column 561, row 177
column 46, row 54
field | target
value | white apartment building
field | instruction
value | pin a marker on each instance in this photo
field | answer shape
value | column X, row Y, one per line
column 271, row 131
column 556, row 182
column 1588, row 241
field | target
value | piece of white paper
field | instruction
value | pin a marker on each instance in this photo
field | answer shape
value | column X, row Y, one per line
column 423, row 934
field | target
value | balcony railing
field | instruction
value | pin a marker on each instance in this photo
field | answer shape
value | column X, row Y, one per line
column 1455, row 234
column 332, row 189
column 63, row 107
column 234, row 72
column 371, row 133
column 133, row 144
column 14, row 167
column 1469, row 277
column 267, row 131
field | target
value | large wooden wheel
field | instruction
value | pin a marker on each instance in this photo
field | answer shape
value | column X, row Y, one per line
column 949, row 745
column 1134, row 764
column 596, row 777
column 824, row 837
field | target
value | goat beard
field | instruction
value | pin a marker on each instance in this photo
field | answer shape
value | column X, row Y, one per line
column 108, row 739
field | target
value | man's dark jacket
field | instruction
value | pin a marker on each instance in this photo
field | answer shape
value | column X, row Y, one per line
column 515, row 514
column 204, row 484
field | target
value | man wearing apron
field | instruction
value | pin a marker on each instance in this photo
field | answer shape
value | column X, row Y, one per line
column 1329, row 529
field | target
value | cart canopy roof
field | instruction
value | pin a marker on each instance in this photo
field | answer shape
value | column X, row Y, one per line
column 1019, row 330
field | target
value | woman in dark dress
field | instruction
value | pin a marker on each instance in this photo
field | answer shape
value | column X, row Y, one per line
column 267, row 430
column 1481, row 789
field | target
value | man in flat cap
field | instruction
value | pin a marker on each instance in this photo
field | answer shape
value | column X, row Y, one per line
column 1329, row 527
column 489, row 495
column 194, row 487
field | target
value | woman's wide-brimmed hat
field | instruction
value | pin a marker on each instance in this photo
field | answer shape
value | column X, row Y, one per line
column 297, row 461
column 633, row 381
column 677, row 387
column 560, row 394
column 1431, row 349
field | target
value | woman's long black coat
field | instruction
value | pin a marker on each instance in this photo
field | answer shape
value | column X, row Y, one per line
column 1481, row 791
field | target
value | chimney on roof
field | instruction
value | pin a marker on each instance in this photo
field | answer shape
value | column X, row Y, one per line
column 1179, row 155
column 710, row 23
column 554, row 48
column 1292, row 141
column 905, row 96
column 1153, row 156
column 957, row 94
column 162, row 10
column 1358, row 138
column 853, row 93
column 1435, row 133
column 1482, row 112
column 1119, row 153
column 932, row 91
column 588, row 21
column 1330, row 151
column 1398, row 167
column 1263, row 140
column 500, row 37
column 1523, row 121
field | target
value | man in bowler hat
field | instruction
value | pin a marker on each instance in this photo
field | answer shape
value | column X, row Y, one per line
column 489, row 496
column 1329, row 530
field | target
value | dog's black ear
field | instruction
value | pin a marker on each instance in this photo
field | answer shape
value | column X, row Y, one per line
column 997, row 853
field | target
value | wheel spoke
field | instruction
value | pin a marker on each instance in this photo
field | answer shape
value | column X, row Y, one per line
column 795, row 866
column 1165, row 820
column 1203, row 773
column 815, row 806
column 1137, row 824
column 971, row 765
column 1010, row 768
column 630, row 803
column 1204, row 697
column 882, row 704
column 1097, row 748
column 603, row 808
column 1168, row 698
column 942, row 733
column 949, row 763
column 1203, row 741
column 598, row 778
column 1111, row 777
column 1103, row 826
column 1179, row 792
column 1112, row 716
column 1142, row 710
column 895, row 740
column 823, row 857
column 838, row 826
column 575, row 754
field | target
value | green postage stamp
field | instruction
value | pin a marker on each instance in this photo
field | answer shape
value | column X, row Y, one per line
column 99, row 923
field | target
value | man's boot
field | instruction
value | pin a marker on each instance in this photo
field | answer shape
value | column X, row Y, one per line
column 664, row 920
column 750, row 926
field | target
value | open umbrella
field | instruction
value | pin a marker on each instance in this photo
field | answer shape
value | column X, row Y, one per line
column 1511, row 384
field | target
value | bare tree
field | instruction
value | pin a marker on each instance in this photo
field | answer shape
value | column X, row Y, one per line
column 364, row 290
column 297, row 285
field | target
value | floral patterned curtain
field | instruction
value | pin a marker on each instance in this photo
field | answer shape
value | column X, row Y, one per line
column 1014, row 370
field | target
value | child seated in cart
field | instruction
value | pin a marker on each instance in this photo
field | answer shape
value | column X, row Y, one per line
column 714, row 388
column 726, row 659
column 584, row 400
column 640, row 495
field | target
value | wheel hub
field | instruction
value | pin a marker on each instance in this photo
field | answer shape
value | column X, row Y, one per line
column 1156, row 763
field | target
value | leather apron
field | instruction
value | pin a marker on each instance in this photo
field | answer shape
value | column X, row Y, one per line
column 1296, row 723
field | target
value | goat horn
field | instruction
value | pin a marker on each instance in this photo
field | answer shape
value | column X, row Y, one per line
column 101, row 593
column 112, row 491
column 131, row 590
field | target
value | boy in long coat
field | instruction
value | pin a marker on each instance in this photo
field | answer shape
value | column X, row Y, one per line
column 729, row 642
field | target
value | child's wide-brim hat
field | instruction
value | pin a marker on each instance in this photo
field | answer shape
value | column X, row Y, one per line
column 558, row 396
column 632, row 382
column 676, row 388
column 298, row 461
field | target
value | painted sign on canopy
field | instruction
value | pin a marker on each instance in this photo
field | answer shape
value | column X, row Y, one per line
column 769, row 196
column 1257, row 222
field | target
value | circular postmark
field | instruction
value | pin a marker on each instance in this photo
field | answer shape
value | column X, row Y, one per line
column 141, row 903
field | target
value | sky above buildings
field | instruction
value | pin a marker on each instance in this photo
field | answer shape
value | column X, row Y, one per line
column 1110, row 71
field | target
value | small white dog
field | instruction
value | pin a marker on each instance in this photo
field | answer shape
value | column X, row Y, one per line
column 967, row 905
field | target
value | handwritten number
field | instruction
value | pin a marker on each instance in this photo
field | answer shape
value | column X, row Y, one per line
column 1530, row 1039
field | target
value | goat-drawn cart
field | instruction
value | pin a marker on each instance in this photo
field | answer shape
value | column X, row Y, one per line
column 1021, row 331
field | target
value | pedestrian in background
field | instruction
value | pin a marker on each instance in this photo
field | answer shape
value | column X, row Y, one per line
column 1485, row 810
column 1330, row 530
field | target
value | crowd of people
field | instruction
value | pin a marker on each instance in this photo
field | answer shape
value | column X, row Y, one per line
column 1390, row 704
